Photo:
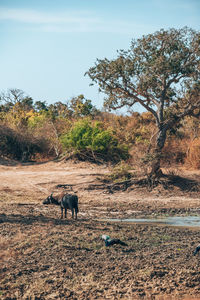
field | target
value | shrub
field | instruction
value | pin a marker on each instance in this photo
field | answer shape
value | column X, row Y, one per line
column 89, row 141
column 19, row 145
column 193, row 155
column 174, row 151
column 120, row 172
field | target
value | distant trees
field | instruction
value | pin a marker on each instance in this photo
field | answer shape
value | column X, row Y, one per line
column 40, row 106
column 12, row 96
column 28, row 128
column 15, row 97
column 76, row 107
column 82, row 107
column 161, row 72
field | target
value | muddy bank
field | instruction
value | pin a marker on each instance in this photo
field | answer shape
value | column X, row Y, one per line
column 43, row 257
column 47, row 258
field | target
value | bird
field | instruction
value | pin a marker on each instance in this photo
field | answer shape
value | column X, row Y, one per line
column 197, row 249
column 109, row 242
column 105, row 237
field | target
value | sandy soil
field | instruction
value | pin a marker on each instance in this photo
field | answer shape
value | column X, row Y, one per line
column 43, row 257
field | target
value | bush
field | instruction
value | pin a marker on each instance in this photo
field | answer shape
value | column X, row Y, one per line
column 193, row 155
column 120, row 172
column 19, row 145
column 89, row 141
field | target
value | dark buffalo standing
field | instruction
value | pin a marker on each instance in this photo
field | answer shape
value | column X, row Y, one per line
column 66, row 201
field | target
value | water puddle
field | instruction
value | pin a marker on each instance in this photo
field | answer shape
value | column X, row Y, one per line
column 185, row 221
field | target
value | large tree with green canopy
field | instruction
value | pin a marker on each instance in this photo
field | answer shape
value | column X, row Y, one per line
column 161, row 72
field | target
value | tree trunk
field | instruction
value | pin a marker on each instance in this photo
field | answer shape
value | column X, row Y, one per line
column 156, row 171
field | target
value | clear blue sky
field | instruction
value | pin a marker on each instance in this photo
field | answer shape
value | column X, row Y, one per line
column 46, row 46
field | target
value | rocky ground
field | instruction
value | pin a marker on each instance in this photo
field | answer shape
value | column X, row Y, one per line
column 44, row 257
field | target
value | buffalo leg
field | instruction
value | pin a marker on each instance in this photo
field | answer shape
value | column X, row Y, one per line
column 76, row 211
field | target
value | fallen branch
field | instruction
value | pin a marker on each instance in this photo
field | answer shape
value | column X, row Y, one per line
column 123, row 185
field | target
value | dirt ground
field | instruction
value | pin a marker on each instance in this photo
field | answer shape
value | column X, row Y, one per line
column 44, row 257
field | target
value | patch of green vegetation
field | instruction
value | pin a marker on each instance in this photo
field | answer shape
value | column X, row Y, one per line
column 120, row 172
column 90, row 141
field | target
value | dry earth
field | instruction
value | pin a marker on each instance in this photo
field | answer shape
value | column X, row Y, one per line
column 43, row 257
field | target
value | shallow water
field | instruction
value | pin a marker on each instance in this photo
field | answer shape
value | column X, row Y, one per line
column 185, row 221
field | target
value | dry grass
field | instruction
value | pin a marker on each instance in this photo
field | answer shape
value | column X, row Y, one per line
column 44, row 257
column 193, row 154
column 49, row 258
column 8, row 247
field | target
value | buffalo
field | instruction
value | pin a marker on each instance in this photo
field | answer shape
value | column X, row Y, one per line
column 65, row 201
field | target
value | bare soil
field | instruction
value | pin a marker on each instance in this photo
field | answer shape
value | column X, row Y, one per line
column 44, row 257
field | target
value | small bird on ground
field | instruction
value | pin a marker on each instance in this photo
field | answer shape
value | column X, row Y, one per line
column 197, row 249
column 109, row 242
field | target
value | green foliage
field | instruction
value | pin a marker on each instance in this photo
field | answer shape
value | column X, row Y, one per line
column 160, row 72
column 150, row 71
column 59, row 109
column 15, row 117
column 40, row 105
column 37, row 119
column 79, row 136
column 120, row 172
column 81, row 107
column 90, row 141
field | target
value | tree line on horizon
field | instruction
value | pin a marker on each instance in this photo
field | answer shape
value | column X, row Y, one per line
column 37, row 131
column 160, row 71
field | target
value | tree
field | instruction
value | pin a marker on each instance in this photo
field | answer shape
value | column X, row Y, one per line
column 59, row 109
column 82, row 107
column 40, row 106
column 161, row 72
column 17, row 98
column 12, row 96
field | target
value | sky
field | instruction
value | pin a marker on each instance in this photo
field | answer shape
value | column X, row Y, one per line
column 46, row 46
